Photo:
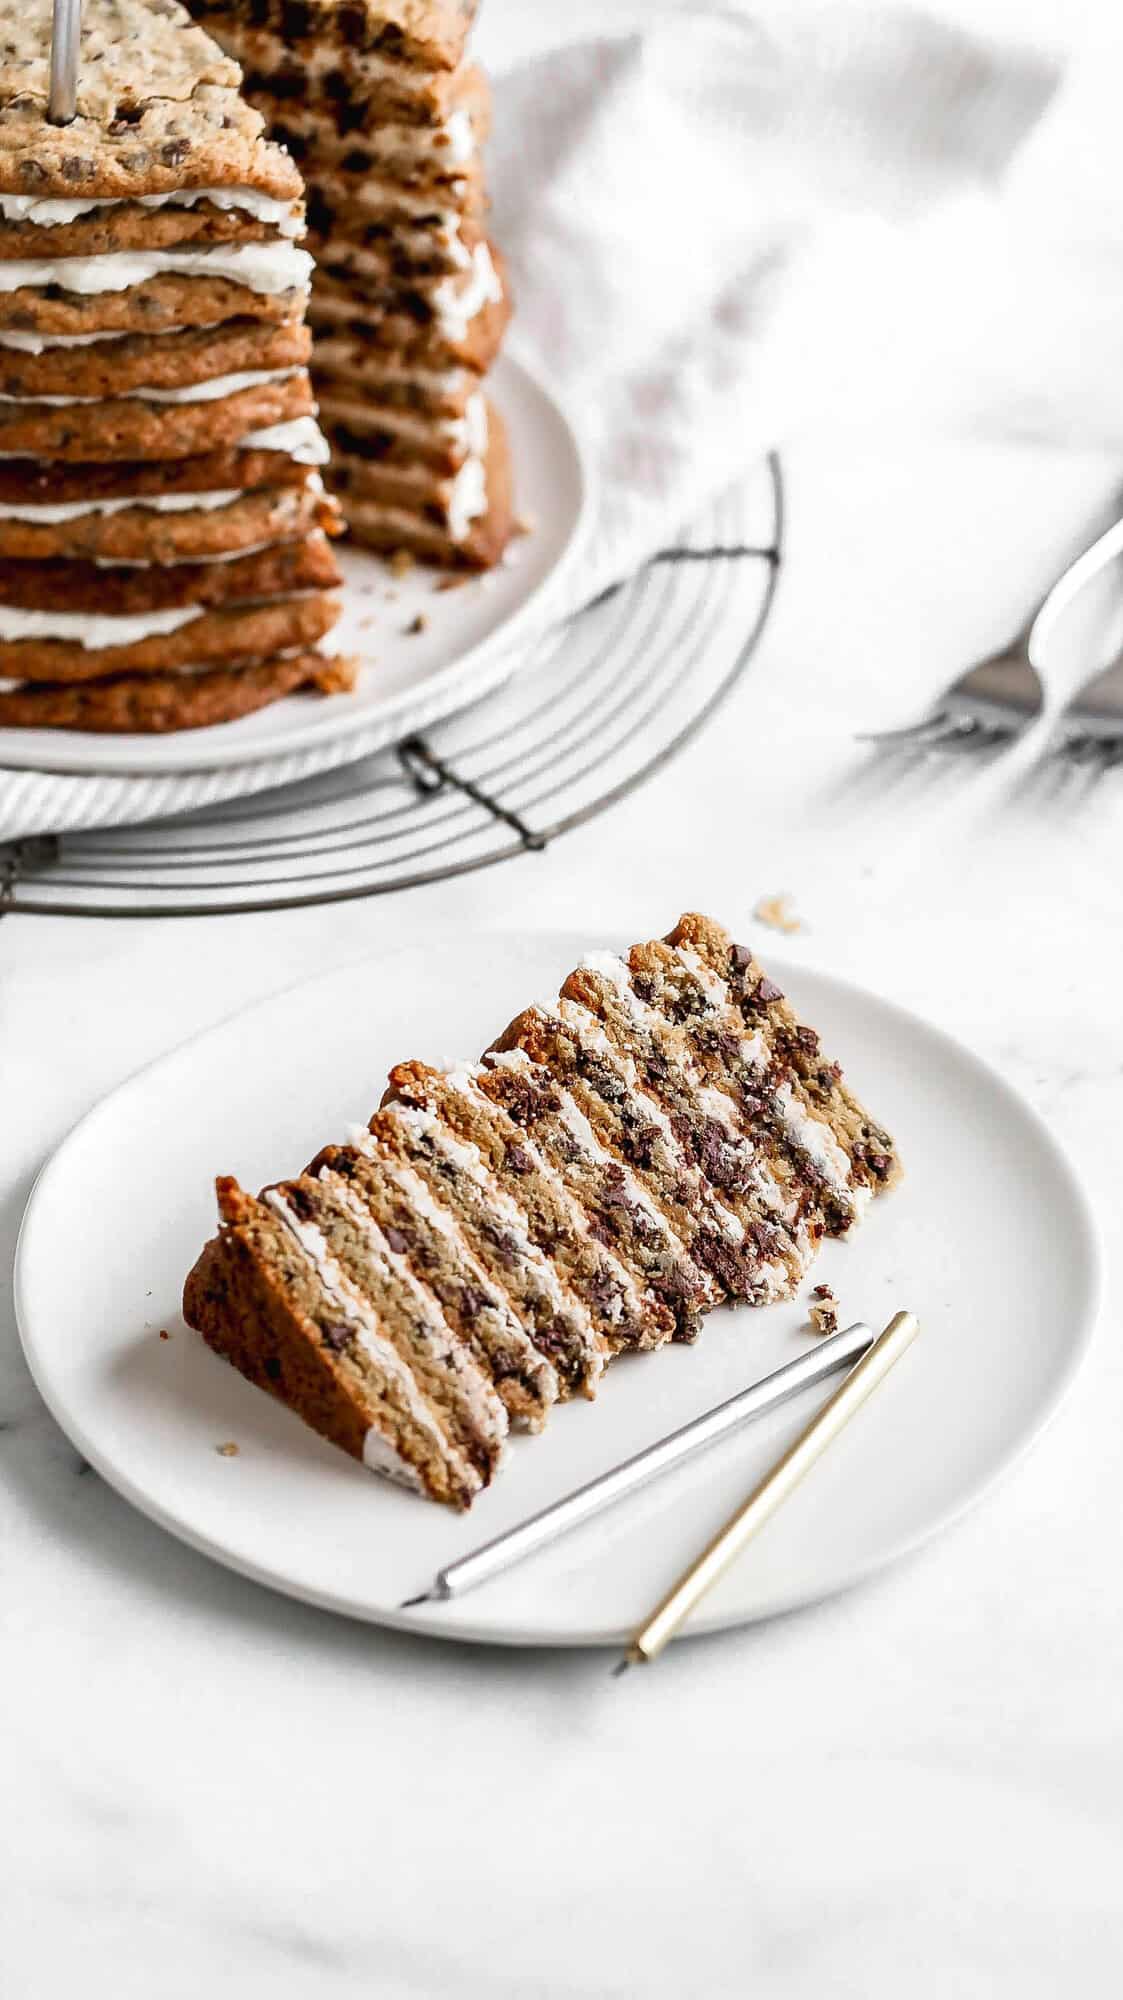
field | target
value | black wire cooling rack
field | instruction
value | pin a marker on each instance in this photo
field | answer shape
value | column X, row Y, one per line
column 602, row 703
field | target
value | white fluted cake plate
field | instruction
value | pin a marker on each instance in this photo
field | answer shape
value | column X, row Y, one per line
column 989, row 1239
column 425, row 651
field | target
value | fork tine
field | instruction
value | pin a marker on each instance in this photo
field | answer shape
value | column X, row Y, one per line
column 983, row 736
column 917, row 732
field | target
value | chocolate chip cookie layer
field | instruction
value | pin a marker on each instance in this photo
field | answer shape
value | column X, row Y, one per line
column 388, row 124
column 159, row 510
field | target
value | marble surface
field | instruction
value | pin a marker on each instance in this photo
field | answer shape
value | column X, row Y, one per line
column 914, row 1788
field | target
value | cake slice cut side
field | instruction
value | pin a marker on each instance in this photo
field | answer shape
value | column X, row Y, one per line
column 426, row 1230
column 331, row 1220
column 625, row 1313
column 498, row 1232
column 263, row 1301
column 748, row 1229
column 622, row 1210
column 749, row 1176
column 732, row 978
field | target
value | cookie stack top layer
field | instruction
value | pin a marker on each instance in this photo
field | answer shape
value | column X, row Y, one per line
column 164, row 553
column 158, row 110
column 409, row 301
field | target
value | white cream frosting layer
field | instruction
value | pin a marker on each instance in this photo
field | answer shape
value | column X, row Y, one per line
column 48, row 213
column 300, row 438
column 458, row 305
column 210, row 391
column 93, row 629
column 468, row 498
column 43, row 343
column 50, row 513
column 268, row 268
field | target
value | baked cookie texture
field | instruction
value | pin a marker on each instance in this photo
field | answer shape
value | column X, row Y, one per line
column 410, row 299
column 165, row 535
column 665, row 1137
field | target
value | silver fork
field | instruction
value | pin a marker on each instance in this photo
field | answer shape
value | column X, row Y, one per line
column 1091, row 729
column 999, row 698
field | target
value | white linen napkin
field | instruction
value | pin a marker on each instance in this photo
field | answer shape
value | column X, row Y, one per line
column 705, row 224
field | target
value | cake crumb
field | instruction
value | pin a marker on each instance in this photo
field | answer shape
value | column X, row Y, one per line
column 418, row 624
column 338, row 675
column 778, row 914
column 164, row 1334
column 822, row 1313
column 227, row 1450
column 401, row 562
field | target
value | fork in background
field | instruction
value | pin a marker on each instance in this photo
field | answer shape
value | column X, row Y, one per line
column 1090, row 731
column 998, row 699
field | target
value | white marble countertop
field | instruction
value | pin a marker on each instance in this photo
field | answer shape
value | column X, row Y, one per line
column 913, row 1789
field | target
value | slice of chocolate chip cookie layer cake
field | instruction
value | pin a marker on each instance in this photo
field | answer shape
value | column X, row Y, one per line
column 666, row 1137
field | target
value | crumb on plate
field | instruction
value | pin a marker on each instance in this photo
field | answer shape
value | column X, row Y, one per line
column 822, row 1313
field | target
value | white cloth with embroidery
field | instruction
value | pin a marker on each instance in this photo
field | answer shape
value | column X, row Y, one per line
column 732, row 226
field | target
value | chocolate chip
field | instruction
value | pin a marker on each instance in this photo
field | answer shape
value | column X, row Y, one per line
column 768, row 990
column 808, row 1039
column 175, row 151
column 603, row 1290
column 335, row 1335
column 740, row 958
column 397, row 1241
column 74, row 168
column 518, row 1160
column 644, row 987
column 31, row 172
column 473, row 1302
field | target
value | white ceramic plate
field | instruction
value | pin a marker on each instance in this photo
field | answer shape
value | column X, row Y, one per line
column 989, row 1240
column 411, row 680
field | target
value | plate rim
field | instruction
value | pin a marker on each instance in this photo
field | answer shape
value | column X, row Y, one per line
column 483, row 665
column 423, row 1623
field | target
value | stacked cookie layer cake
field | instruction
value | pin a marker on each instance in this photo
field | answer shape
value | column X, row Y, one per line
column 664, row 1138
column 164, row 551
column 375, row 102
